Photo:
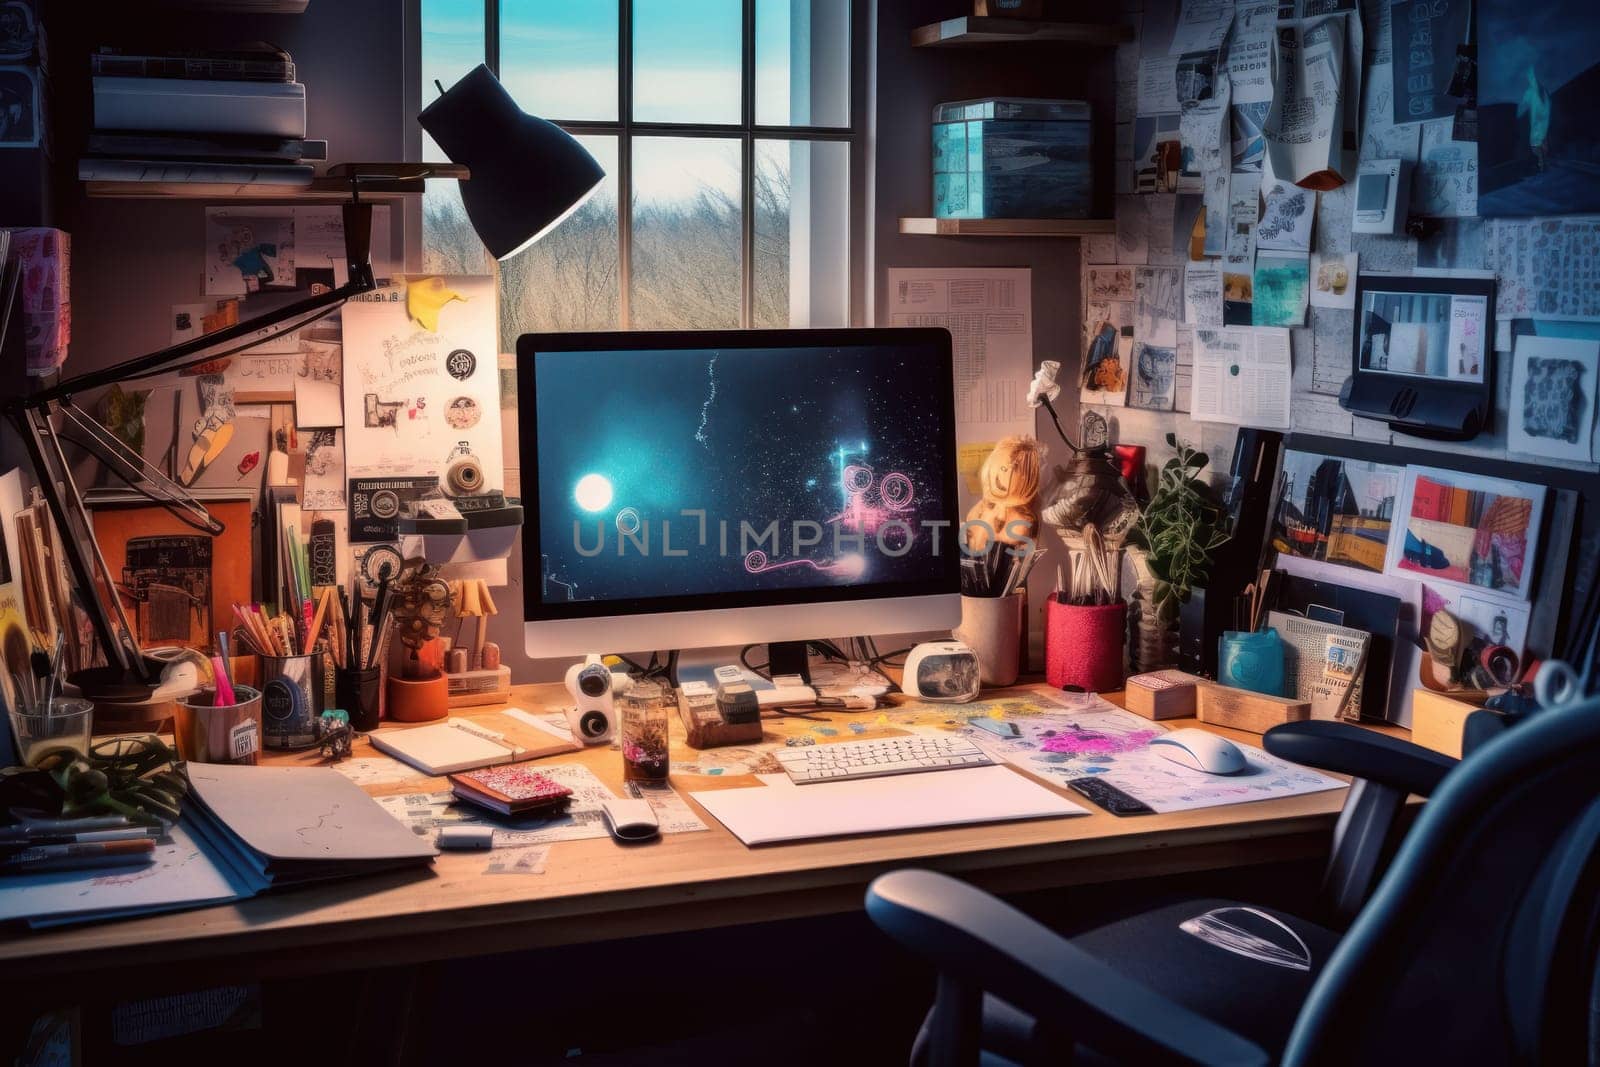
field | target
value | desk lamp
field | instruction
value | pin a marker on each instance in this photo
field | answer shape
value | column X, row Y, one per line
column 521, row 176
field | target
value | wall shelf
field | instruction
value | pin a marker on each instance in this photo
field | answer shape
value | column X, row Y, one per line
column 379, row 181
column 975, row 30
column 1007, row 227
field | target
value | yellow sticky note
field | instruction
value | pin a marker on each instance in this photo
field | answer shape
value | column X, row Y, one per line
column 424, row 298
column 969, row 458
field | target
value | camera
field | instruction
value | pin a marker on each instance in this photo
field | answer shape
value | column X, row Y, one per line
column 594, row 687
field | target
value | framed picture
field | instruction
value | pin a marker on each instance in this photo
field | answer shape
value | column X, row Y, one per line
column 1537, row 107
column 1467, row 530
column 1422, row 354
column 1335, row 510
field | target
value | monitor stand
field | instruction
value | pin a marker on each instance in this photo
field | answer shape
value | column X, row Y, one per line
column 786, row 657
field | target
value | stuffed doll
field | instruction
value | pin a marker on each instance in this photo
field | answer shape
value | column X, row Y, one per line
column 1010, row 483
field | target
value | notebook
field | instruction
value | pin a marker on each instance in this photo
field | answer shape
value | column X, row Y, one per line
column 786, row 812
column 458, row 745
column 283, row 825
column 514, row 790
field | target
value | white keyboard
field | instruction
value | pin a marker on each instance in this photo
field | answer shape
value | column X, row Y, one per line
column 873, row 759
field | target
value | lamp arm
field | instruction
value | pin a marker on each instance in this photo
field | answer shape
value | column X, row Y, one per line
column 31, row 417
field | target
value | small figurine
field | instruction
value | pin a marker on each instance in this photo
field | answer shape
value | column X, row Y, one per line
column 1009, row 479
column 334, row 734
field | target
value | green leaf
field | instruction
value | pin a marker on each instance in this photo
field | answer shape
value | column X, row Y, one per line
column 1172, row 439
column 1198, row 460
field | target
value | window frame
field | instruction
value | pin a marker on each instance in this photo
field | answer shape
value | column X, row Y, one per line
column 746, row 131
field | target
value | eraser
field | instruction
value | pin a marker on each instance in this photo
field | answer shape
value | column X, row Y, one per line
column 465, row 837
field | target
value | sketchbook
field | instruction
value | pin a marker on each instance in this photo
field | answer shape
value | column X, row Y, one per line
column 458, row 745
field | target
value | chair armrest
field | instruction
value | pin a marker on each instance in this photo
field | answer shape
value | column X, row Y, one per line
column 986, row 943
column 1345, row 748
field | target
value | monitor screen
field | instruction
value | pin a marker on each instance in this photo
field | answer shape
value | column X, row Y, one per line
column 677, row 471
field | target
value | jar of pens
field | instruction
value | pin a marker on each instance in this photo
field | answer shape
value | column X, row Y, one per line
column 998, row 554
column 220, row 724
column 1085, row 619
column 42, row 718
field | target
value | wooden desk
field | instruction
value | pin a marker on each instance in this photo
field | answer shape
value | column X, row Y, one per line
column 596, row 889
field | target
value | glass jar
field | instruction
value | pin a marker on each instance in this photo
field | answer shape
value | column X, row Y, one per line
column 645, row 714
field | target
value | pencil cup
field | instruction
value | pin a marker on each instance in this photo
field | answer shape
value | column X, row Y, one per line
column 643, row 710
column 209, row 734
column 419, row 699
column 290, row 701
column 1083, row 645
column 992, row 627
column 67, row 724
column 357, row 693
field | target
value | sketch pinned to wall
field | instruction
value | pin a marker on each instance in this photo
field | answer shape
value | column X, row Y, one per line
column 1428, row 37
column 1286, row 218
column 1215, row 197
column 1333, row 280
column 1202, row 294
column 249, row 250
column 1446, row 181
column 1110, row 284
column 1157, row 305
column 1108, row 342
column 1154, row 382
column 1552, row 408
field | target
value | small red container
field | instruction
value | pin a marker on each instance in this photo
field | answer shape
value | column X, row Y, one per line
column 1083, row 645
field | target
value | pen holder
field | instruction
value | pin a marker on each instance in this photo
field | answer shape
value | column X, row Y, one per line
column 208, row 734
column 419, row 699
column 1253, row 661
column 357, row 692
column 1083, row 645
column 290, row 701
column 992, row 627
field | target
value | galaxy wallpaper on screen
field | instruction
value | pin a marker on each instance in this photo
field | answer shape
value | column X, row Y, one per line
column 842, row 448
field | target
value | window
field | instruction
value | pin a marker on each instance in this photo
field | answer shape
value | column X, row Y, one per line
column 730, row 137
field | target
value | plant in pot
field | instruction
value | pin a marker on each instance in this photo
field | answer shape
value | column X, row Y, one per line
column 1180, row 529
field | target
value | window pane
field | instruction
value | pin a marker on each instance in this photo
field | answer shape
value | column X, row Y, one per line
column 559, row 58
column 686, row 60
column 452, row 42
column 686, row 256
column 803, row 62
column 567, row 280
column 802, row 234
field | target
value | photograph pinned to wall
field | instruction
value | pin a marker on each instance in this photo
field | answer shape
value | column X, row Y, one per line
column 1552, row 409
column 1333, row 280
column 1108, row 284
column 1428, row 37
column 1133, row 230
column 1467, row 530
column 1280, row 288
column 1189, row 226
column 1158, row 153
column 1538, row 107
column 1202, row 294
column 1286, row 218
column 1108, row 330
column 1336, row 510
column 1424, row 334
column 248, row 250
column 1154, row 382
column 1157, row 305
column 1445, row 184
column 1238, row 290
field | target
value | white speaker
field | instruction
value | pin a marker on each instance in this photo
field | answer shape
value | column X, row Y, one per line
column 943, row 671
column 593, row 719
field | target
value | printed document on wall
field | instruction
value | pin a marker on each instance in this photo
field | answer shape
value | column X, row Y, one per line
column 1241, row 376
column 989, row 314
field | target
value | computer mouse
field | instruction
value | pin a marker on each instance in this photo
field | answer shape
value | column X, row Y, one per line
column 1200, row 751
column 630, row 820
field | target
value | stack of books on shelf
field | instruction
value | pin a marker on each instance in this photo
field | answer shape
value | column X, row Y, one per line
column 233, row 117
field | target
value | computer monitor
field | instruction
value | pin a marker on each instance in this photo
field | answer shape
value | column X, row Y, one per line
column 711, row 489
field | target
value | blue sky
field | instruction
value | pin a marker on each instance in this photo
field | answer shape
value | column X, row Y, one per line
column 558, row 58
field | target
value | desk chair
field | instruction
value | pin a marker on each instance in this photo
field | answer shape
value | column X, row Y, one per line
column 1478, row 944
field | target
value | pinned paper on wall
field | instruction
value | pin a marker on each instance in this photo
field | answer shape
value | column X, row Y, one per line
column 1286, row 218
column 419, row 402
column 1202, row 294
column 1333, row 280
column 1241, row 376
column 1279, row 289
column 251, row 249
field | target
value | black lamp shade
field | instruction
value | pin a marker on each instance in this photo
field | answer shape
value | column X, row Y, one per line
column 527, row 174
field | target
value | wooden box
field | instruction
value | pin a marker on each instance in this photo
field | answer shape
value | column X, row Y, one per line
column 704, row 726
column 1437, row 721
column 1161, row 694
column 471, row 689
column 1240, row 709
